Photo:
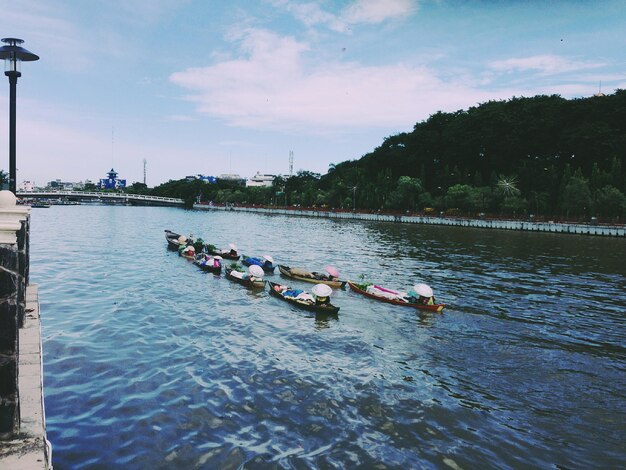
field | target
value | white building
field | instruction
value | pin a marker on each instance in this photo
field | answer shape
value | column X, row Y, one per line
column 260, row 180
column 27, row 186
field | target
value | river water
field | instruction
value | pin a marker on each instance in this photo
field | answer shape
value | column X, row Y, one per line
column 151, row 363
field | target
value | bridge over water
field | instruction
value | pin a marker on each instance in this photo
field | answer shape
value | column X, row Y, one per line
column 94, row 196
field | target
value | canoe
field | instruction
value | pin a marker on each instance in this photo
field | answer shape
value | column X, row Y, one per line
column 208, row 267
column 223, row 253
column 172, row 240
column 249, row 261
column 286, row 271
column 433, row 308
column 243, row 282
column 322, row 308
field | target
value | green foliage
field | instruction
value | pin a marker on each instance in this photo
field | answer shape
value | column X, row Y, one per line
column 463, row 196
column 543, row 155
column 138, row 188
column 576, row 196
column 610, row 202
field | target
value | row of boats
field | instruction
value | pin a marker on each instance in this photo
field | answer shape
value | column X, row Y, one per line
column 211, row 259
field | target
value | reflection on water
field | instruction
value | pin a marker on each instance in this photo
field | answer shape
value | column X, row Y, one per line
column 151, row 363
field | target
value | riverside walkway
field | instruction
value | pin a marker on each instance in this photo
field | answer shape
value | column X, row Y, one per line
column 138, row 199
column 554, row 227
column 30, row 449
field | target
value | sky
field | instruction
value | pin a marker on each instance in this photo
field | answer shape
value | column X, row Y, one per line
column 233, row 86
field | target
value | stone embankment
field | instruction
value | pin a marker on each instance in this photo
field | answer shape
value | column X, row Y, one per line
column 581, row 229
column 23, row 442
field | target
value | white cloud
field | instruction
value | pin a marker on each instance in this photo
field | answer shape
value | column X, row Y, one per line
column 358, row 12
column 311, row 14
column 377, row 11
column 544, row 64
column 270, row 86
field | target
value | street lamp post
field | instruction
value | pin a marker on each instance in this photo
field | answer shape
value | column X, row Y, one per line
column 13, row 55
column 354, row 199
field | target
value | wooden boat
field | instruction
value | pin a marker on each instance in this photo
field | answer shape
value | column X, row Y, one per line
column 223, row 253
column 318, row 308
column 244, row 282
column 172, row 240
column 287, row 272
column 210, row 268
column 267, row 265
column 359, row 288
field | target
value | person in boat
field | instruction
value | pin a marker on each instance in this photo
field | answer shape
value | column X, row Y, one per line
column 296, row 294
column 321, row 294
column 233, row 249
column 201, row 258
column 421, row 294
column 189, row 250
column 265, row 262
column 255, row 273
column 331, row 274
column 211, row 261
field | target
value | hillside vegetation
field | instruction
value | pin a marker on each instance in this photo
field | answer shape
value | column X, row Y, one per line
column 544, row 155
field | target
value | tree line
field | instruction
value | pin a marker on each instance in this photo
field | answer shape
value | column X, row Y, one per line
column 544, row 155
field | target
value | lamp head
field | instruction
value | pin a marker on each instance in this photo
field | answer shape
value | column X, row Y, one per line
column 13, row 54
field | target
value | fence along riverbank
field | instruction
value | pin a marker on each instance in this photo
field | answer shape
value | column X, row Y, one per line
column 580, row 229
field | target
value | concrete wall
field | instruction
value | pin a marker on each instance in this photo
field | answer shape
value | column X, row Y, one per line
column 23, row 443
column 9, row 326
column 581, row 229
column 13, row 279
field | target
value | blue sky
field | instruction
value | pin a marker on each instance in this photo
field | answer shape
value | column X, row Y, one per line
column 212, row 87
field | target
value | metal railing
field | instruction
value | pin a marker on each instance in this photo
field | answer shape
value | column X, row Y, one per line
column 99, row 195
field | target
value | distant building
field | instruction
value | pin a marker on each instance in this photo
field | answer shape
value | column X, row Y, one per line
column 206, row 179
column 261, row 180
column 59, row 185
column 112, row 181
column 232, row 177
column 26, row 186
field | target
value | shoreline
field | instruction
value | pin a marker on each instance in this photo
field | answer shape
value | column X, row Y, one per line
column 551, row 227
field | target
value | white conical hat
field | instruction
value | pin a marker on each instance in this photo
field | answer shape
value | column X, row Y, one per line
column 256, row 271
column 423, row 289
column 269, row 258
column 322, row 290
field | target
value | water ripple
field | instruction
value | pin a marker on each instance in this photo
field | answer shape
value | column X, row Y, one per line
column 151, row 363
